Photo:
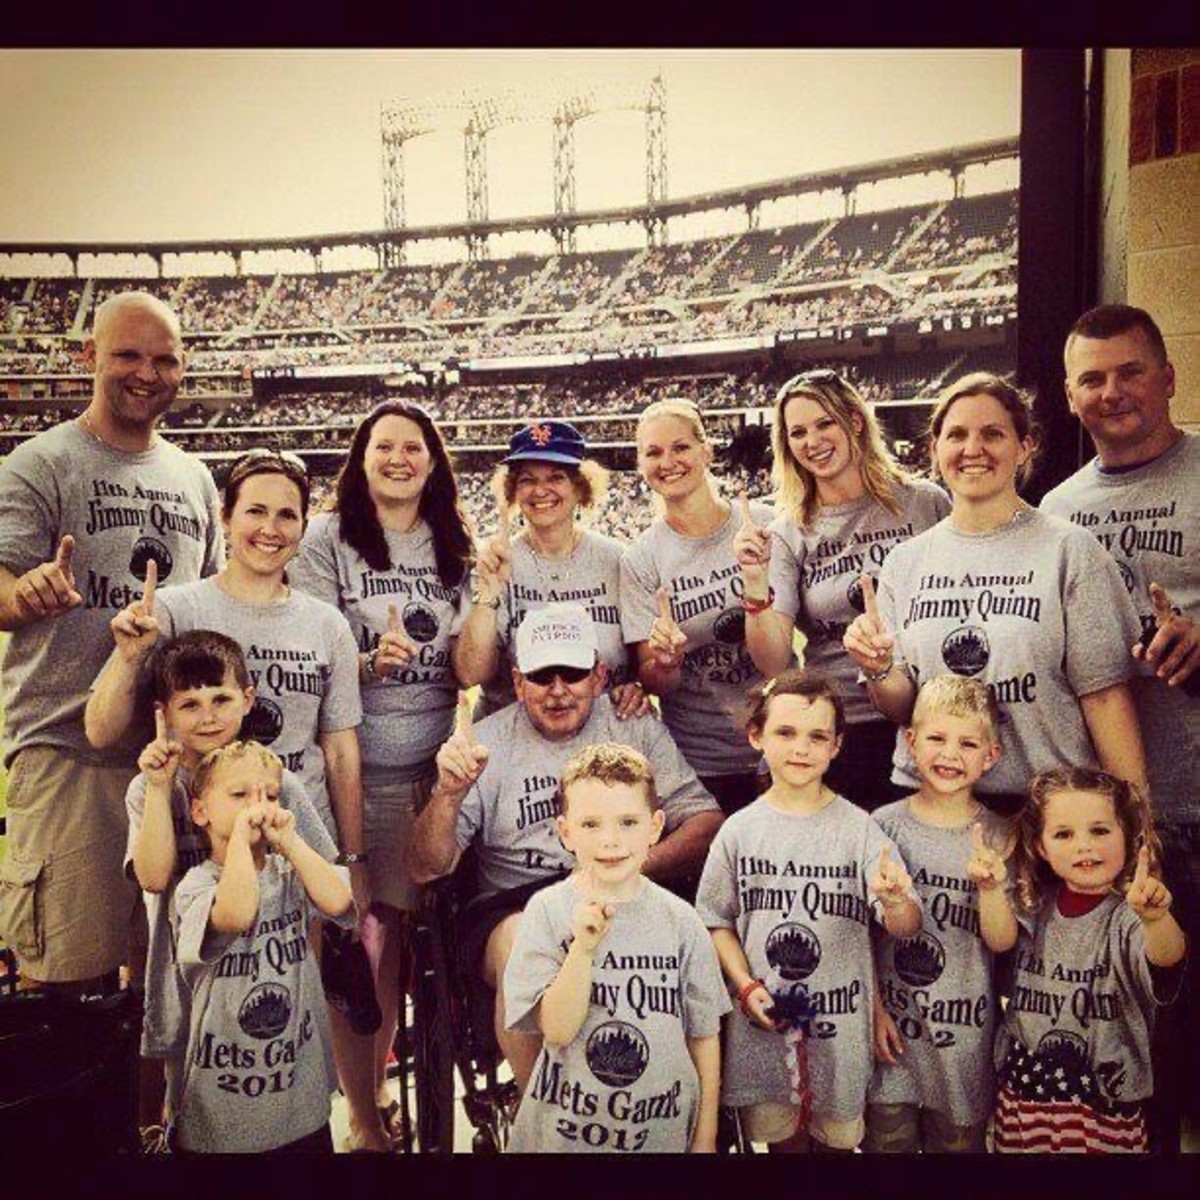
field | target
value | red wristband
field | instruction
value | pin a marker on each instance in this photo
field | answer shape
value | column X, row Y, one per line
column 754, row 607
column 745, row 990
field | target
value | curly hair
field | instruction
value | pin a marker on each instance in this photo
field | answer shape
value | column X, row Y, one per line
column 439, row 506
column 589, row 480
column 208, row 766
column 797, row 486
column 608, row 763
column 1034, row 879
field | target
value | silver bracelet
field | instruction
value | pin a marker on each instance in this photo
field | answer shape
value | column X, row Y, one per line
column 880, row 676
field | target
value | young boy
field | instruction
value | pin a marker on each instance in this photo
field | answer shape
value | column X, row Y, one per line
column 202, row 693
column 933, row 1089
column 258, row 1072
column 788, row 893
column 620, row 979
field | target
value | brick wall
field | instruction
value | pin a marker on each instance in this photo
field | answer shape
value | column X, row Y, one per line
column 1163, row 258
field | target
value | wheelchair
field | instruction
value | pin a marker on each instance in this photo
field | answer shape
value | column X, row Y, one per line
column 452, row 1032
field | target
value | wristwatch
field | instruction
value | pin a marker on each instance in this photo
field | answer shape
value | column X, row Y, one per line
column 493, row 603
column 347, row 858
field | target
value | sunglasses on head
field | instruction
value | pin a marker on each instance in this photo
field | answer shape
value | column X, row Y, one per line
column 253, row 461
column 816, row 375
column 545, row 676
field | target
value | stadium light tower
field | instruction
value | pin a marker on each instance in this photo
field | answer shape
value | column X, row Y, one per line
column 570, row 109
column 484, row 114
column 656, row 158
column 399, row 124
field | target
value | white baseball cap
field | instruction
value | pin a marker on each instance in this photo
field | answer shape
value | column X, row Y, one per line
column 559, row 635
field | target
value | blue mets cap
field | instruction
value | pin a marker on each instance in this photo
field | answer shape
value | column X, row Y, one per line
column 548, row 441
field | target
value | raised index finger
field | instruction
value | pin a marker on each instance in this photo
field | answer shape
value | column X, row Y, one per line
column 744, row 504
column 393, row 619
column 664, row 604
column 884, row 864
column 151, row 584
column 870, row 604
column 1161, row 600
column 462, row 715
column 160, row 724
column 977, row 843
column 1142, row 871
column 62, row 556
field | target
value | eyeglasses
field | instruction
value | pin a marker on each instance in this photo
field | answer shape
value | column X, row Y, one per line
column 253, row 461
column 545, row 676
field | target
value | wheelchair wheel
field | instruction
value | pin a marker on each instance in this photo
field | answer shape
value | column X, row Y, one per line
column 433, row 1049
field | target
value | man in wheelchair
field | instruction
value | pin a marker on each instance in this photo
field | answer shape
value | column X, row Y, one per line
column 496, row 786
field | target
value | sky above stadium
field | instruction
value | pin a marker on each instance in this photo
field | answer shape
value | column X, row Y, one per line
column 172, row 144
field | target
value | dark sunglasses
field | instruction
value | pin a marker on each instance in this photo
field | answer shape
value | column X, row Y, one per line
column 253, row 461
column 545, row 676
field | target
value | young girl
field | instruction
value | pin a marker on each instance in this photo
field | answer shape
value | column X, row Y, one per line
column 934, row 1089
column 619, row 978
column 787, row 892
column 1094, row 950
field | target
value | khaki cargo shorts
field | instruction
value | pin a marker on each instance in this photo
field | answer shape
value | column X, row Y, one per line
column 66, row 905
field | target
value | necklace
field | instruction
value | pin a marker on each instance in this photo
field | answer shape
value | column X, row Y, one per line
column 555, row 570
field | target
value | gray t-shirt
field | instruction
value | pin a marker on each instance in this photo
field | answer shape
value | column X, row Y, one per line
column 122, row 510
column 1148, row 519
column 1083, row 996
column 937, row 985
column 626, row 1082
column 302, row 662
column 510, row 807
column 164, row 1023
column 259, row 1068
column 407, row 716
column 815, row 571
column 706, row 713
column 1036, row 610
column 794, row 889
column 591, row 576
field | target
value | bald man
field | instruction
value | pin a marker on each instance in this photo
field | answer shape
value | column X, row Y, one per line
column 84, row 508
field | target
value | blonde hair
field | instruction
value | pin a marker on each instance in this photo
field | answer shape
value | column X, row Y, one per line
column 1131, row 808
column 212, row 762
column 796, row 487
column 689, row 413
column 958, row 697
column 608, row 763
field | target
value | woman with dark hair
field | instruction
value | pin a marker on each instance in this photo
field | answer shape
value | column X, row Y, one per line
column 393, row 556
column 843, row 503
column 549, row 478
column 1028, row 603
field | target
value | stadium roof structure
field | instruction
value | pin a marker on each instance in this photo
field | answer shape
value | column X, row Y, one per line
column 953, row 160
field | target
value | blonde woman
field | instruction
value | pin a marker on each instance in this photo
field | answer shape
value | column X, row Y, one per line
column 682, row 603
column 843, row 504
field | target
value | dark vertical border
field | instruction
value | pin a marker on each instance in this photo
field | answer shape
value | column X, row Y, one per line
column 1054, row 283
